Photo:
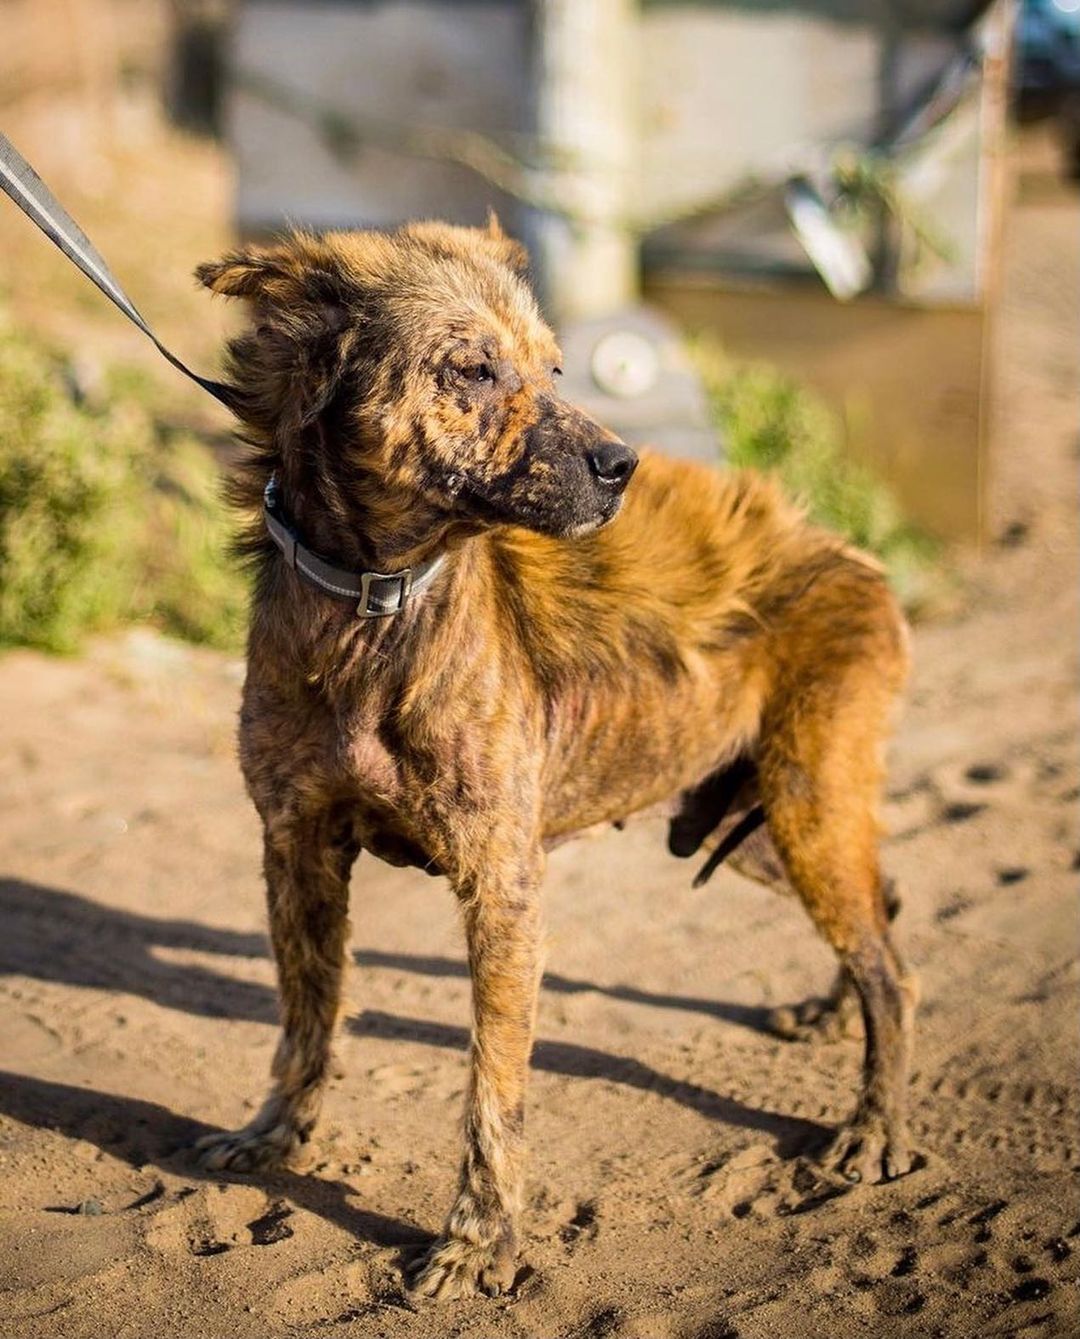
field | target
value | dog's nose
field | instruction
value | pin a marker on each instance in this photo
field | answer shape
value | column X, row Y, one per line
column 612, row 463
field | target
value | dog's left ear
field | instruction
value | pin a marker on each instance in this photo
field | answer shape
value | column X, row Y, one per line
column 248, row 272
column 302, row 333
column 299, row 269
column 457, row 242
column 511, row 252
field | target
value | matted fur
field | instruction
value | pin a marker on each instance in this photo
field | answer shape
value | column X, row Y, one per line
column 570, row 667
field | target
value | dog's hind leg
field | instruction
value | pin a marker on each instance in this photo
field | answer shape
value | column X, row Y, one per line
column 478, row 1247
column 832, row 1016
column 307, row 865
column 819, row 768
column 755, row 856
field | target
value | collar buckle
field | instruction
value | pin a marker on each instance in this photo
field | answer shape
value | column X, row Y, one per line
column 404, row 578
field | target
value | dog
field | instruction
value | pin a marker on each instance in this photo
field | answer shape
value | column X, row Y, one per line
column 551, row 635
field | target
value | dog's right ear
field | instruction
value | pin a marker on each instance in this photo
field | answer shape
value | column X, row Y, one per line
column 510, row 251
column 303, row 331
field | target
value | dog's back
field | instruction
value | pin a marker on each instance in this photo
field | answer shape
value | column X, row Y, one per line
column 662, row 637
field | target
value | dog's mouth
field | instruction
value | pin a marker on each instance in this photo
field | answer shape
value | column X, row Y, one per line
column 569, row 512
column 591, row 527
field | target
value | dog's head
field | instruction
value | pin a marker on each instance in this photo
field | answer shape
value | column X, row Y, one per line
column 422, row 365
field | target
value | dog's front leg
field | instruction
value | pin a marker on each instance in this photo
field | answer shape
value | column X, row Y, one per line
column 307, row 864
column 478, row 1247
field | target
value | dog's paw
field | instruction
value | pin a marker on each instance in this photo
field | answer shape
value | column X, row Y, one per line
column 454, row 1268
column 817, row 1019
column 249, row 1150
column 867, row 1151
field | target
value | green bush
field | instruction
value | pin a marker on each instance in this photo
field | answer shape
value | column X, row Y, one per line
column 106, row 516
column 770, row 422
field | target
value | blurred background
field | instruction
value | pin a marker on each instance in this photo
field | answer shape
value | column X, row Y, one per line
column 768, row 231
column 834, row 239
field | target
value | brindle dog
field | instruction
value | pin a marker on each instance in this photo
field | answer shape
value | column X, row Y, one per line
column 693, row 647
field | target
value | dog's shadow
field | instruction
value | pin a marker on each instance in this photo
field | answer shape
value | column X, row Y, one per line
column 144, row 1133
column 50, row 935
column 742, row 1015
column 792, row 1133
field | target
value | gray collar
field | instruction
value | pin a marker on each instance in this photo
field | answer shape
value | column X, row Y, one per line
column 375, row 593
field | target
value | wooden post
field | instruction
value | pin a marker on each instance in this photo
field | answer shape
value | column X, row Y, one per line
column 583, row 82
column 886, row 253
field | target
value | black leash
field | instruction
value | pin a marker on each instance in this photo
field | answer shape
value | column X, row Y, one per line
column 19, row 181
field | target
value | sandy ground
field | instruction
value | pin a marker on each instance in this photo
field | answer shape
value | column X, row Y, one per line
column 664, row 1198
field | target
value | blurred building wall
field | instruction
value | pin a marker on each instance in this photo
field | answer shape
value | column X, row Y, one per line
column 724, row 91
column 412, row 62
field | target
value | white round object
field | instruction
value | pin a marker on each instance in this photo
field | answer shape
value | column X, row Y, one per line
column 625, row 364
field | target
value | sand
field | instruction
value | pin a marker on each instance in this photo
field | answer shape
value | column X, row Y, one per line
column 667, row 1197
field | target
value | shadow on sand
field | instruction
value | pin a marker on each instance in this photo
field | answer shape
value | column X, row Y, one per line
column 144, row 1133
column 50, row 935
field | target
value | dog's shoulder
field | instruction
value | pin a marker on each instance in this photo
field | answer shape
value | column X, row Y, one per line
column 692, row 554
column 687, row 533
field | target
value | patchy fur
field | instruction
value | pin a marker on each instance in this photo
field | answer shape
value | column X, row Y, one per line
column 698, row 651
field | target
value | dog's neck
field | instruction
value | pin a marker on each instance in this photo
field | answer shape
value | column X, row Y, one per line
column 350, row 522
column 336, row 538
column 349, row 536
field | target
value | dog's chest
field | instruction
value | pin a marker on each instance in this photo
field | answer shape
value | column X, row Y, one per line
column 407, row 800
column 380, row 822
column 371, row 765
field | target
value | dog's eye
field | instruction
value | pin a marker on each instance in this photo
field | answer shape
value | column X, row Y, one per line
column 478, row 372
column 556, row 371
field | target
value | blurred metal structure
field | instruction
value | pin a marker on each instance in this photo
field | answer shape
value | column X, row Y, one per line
column 1048, row 71
column 736, row 153
column 908, row 364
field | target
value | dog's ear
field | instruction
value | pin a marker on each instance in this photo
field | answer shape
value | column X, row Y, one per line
column 298, row 268
column 511, row 252
column 303, row 330
column 454, row 242
column 298, row 282
column 247, row 272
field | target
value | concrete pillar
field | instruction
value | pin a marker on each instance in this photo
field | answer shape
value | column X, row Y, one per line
column 584, row 83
